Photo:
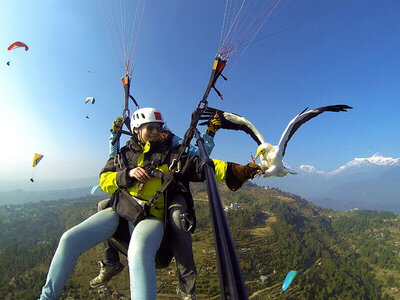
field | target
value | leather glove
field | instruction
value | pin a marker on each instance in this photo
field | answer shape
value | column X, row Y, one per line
column 214, row 124
column 117, row 124
column 237, row 174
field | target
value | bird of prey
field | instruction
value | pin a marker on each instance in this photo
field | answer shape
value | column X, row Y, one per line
column 271, row 157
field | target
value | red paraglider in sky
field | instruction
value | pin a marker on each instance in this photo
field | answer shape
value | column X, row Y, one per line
column 17, row 45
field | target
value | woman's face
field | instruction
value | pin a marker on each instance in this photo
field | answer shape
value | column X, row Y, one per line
column 149, row 132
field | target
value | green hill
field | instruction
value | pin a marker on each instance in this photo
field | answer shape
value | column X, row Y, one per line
column 338, row 255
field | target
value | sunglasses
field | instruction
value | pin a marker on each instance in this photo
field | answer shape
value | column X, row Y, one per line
column 153, row 126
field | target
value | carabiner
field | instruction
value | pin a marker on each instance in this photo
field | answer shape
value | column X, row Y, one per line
column 172, row 165
column 124, row 111
column 187, row 223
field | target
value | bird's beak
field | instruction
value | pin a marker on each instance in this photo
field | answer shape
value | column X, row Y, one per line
column 259, row 152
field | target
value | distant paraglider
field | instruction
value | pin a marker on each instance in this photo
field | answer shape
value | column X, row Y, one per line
column 17, row 45
column 288, row 280
column 89, row 100
column 94, row 188
column 36, row 159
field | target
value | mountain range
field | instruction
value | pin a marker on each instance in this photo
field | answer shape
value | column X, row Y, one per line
column 364, row 183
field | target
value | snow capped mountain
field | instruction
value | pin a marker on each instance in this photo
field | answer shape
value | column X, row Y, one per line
column 360, row 165
column 365, row 183
column 311, row 169
column 374, row 161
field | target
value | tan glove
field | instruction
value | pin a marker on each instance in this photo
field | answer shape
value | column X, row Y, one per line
column 214, row 124
column 237, row 174
column 117, row 124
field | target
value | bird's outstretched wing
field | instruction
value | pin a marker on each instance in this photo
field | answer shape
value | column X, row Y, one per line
column 303, row 117
column 234, row 122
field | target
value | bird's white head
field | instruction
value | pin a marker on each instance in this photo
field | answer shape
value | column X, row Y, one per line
column 264, row 148
column 260, row 150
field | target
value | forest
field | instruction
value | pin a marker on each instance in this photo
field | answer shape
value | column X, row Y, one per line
column 346, row 255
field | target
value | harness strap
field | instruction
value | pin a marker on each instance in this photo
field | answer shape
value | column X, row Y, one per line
column 168, row 178
column 175, row 166
column 134, row 101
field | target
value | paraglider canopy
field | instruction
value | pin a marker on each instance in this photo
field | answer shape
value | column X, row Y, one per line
column 94, row 188
column 288, row 280
column 90, row 99
column 18, row 45
column 36, row 159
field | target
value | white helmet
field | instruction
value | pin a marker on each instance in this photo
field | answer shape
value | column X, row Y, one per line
column 145, row 115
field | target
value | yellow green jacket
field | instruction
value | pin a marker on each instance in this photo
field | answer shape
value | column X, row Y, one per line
column 155, row 159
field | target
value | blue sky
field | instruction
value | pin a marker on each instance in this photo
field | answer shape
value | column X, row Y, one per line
column 348, row 55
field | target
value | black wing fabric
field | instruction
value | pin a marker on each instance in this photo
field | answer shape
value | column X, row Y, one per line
column 231, row 121
column 306, row 116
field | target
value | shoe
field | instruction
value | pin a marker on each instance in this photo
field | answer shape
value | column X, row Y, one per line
column 183, row 296
column 107, row 271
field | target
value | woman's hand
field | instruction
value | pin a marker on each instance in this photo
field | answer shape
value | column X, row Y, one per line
column 139, row 173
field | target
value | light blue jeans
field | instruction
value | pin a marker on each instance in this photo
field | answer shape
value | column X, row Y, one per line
column 145, row 240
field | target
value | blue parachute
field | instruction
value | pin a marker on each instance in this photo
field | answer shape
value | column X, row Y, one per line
column 94, row 188
column 288, row 280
